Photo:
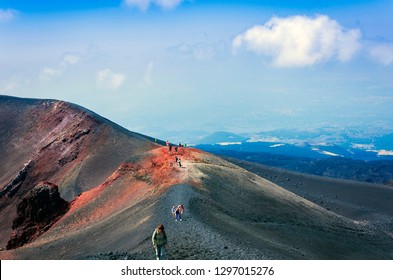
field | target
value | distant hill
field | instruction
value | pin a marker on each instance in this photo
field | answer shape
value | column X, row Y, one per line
column 296, row 159
column 317, row 143
column 346, row 154
column 223, row 138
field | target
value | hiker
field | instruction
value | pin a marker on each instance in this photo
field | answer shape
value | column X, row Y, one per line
column 181, row 208
column 160, row 242
column 179, row 162
column 176, row 158
column 167, row 143
column 174, row 211
column 170, row 147
column 178, row 214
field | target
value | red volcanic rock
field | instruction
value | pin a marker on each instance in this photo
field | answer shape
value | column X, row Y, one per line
column 36, row 213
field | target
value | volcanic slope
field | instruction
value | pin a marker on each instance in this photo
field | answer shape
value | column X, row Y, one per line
column 57, row 142
column 230, row 212
column 362, row 202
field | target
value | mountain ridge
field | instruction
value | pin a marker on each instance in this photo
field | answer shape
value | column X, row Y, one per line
column 120, row 186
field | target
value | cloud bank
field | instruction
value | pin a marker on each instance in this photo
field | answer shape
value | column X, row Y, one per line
column 197, row 51
column 107, row 79
column 49, row 73
column 383, row 53
column 145, row 4
column 147, row 79
column 300, row 41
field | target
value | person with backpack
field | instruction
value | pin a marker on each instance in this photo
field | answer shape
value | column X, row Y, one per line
column 181, row 208
column 179, row 212
column 160, row 242
column 178, row 215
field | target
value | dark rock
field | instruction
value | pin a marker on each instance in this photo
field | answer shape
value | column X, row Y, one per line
column 68, row 158
column 12, row 187
column 80, row 133
column 36, row 213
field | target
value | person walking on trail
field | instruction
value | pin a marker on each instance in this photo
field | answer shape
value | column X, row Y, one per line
column 173, row 211
column 181, row 208
column 178, row 215
column 179, row 162
column 160, row 242
column 179, row 212
column 170, row 147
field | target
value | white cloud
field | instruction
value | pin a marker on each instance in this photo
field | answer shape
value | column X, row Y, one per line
column 145, row 4
column 383, row 53
column 9, row 87
column 69, row 59
column 106, row 78
column 168, row 4
column 149, row 70
column 198, row 51
column 7, row 15
column 49, row 73
column 300, row 41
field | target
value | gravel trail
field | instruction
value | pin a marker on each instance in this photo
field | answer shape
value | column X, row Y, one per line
column 190, row 239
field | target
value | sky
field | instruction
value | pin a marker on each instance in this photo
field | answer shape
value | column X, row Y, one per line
column 172, row 67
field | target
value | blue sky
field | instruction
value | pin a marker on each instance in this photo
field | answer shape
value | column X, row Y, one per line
column 169, row 66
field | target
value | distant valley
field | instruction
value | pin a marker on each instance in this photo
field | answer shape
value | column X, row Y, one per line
column 326, row 152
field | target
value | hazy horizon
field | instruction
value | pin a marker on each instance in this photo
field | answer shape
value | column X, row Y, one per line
column 159, row 66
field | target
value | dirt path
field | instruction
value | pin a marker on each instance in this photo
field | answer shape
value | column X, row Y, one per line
column 191, row 238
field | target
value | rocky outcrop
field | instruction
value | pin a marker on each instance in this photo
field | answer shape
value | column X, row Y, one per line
column 36, row 213
column 12, row 187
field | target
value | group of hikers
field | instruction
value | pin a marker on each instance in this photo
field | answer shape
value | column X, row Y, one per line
column 177, row 159
column 177, row 212
column 169, row 145
column 159, row 237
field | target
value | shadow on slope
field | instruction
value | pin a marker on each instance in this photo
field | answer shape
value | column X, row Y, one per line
column 252, row 210
column 363, row 202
